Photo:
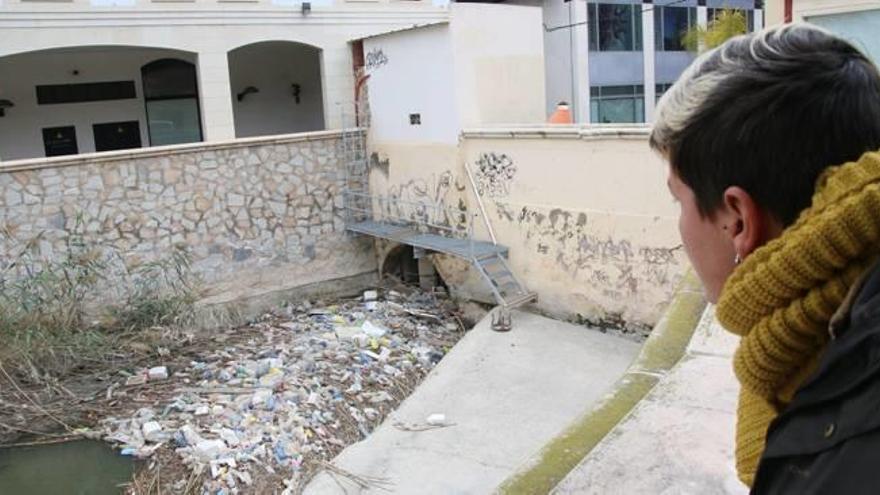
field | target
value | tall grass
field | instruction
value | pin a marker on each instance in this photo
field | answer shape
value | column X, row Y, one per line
column 55, row 313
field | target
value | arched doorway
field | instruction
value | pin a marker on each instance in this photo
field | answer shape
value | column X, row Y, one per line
column 276, row 88
column 171, row 100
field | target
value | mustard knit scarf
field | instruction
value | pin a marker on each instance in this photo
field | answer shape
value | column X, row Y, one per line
column 782, row 297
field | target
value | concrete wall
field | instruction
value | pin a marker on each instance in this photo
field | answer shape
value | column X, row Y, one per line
column 774, row 12
column 272, row 67
column 20, row 129
column 586, row 215
column 257, row 215
column 412, row 72
column 584, row 212
column 499, row 64
column 467, row 71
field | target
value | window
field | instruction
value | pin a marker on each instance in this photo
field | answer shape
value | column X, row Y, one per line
column 80, row 93
column 670, row 24
column 117, row 135
column 59, row 141
column 614, row 28
column 172, row 101
column 617, row 104
column 662, row 88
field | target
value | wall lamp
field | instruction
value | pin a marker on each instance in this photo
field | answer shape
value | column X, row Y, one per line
column 248, row 90
column 4, row 104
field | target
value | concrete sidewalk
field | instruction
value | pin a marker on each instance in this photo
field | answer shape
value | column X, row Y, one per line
column 507, row 394
column 679, row 438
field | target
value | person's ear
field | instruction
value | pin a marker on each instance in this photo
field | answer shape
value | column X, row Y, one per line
column 748, row 225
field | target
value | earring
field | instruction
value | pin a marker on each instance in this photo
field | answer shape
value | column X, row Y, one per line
column 737, row 259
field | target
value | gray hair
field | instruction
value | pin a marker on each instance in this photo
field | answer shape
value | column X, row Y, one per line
column 702, row 78
column 768, row 112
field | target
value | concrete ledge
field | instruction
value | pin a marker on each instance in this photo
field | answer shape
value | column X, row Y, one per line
column 662, row 350
column 212, row 313
column 561, row 131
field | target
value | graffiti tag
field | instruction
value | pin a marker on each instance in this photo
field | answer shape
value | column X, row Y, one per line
column 376, row 58
column 494, row 175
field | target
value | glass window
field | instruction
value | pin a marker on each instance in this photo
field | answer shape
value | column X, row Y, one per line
column 660, row 89
column 172, row 102
column 592, row 24
column 615, row 28
column 670, row 26
column 174, row 121
column 168, row 78
column 617, row 104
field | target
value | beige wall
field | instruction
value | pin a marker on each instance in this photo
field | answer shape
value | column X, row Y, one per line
column 498, row 51
column 587, row 217
column 585, row 213
column 774, row 12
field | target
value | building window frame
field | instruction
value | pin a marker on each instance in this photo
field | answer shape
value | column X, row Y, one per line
column 660, row 14
column 660, row 89
column 188, row 93
column 630, row 42
column 604, row 99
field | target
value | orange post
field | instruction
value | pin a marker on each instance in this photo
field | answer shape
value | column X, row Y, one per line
column 562, row 115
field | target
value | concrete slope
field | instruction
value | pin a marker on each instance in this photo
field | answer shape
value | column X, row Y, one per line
column 506, row 393
column 679, row 439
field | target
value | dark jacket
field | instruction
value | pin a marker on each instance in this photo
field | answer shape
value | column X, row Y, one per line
column 828, row 439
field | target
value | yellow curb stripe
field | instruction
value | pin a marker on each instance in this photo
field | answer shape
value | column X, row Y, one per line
column 661, row 352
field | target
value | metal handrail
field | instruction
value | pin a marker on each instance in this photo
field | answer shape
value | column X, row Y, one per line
column 467, row 170
column 383, row 208
column 422, row 213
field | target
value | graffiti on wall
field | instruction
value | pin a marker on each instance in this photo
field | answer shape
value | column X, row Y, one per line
column 380, row 164
column 494, row 174
column 435, row 200
column 616, row 266
column 375, row 58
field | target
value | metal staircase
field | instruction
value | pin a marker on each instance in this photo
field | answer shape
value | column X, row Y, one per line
column 507, row 289
column 433, row 227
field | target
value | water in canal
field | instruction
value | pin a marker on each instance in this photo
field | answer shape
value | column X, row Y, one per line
column 84, row 467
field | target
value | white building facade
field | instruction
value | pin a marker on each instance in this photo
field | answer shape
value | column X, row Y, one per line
column 613, row 59
column 81, row 76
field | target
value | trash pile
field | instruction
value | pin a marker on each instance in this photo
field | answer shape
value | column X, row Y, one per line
column 299, row 384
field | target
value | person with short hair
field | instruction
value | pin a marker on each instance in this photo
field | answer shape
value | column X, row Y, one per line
column 772, row 143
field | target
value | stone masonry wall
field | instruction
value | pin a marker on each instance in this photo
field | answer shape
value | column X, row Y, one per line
column 257, row 215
